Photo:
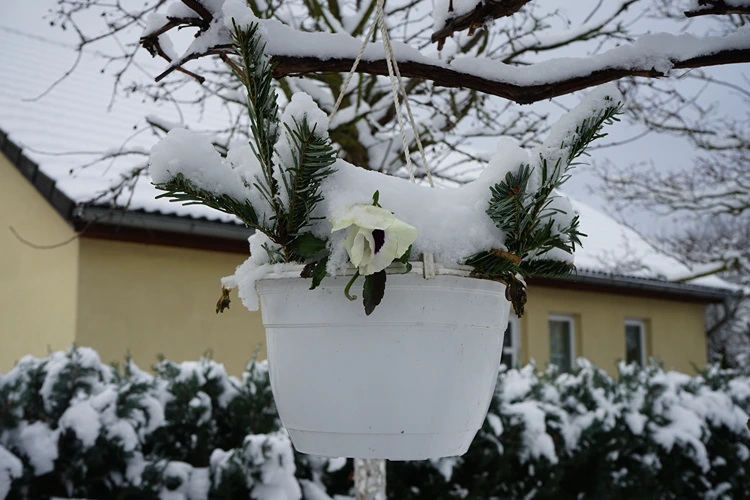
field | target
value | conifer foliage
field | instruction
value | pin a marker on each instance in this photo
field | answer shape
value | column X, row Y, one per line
column 72, row 427
column 524, row 207
column 288, row 184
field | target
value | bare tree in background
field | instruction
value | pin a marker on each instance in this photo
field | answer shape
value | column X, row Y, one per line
column 724, row 241
column 712, row 203
column 456, row 113
column 711, row 200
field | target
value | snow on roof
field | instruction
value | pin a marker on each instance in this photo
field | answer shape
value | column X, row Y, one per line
column 614, row 248
column 70, row 125
column 61, row 130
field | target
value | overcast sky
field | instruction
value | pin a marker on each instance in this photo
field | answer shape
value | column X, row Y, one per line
column 664, row 152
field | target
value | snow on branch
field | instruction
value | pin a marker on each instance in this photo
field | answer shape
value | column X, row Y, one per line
column 297, row 53
column 651, row 56
column 482, row 13
column 718, row 7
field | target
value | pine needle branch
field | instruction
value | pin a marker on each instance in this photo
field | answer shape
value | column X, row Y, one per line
column 255, row 71
column 313, row 155
column 530, row 220
column 183, row 190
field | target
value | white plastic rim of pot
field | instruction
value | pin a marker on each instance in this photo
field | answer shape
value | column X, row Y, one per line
column 411, row 381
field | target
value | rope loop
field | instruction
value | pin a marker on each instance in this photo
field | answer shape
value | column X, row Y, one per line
column 397, row 87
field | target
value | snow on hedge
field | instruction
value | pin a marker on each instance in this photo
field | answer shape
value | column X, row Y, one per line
column 75, row 428
column 69, row 415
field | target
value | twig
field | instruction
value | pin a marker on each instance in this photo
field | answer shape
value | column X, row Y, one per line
column 484, row 12
column 717, row 7
column 49, row 247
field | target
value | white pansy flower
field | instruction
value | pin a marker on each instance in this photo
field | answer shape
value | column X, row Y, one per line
column 376, row 237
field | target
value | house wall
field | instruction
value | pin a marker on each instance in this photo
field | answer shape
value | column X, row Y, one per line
column 151, row 299
column 37, row 286
column 675, row 331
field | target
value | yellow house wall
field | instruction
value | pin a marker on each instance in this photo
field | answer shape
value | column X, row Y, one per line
column 150, row 300
column 37, row 286
column 675, row 332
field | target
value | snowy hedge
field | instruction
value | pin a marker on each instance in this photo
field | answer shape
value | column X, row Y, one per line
column 73, row 427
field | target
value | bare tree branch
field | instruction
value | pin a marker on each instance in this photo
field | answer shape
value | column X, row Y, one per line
column 522, row 94
column 717, row 7
column 601, row 71
column 483, row 13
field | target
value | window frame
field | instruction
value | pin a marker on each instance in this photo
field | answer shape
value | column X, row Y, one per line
column 642, row 327
column 513, row 351
column 570, row 319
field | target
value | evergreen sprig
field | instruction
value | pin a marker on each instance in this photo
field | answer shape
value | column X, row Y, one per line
column 546, row 268
column 528, row 217
column 312, row 157
column 590, row 128
column 182, row 189
column 256, row 74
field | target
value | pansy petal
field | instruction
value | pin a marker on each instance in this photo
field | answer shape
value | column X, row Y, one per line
column 357, row 248
column 369, row 248
column 339, row 224
column 372, row 217
column 404, row 234
column 349, row 241
column 344, row 218
column 386, row 254
column 364, row 216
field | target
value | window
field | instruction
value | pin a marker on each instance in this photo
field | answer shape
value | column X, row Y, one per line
column 561, row 346
column 635, row 342
column 512, row 343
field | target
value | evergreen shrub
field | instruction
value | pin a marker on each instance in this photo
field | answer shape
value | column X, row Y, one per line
column 73, row 427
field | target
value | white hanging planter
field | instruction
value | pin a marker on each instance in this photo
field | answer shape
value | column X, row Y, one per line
column 415, row 378
column 412, row 381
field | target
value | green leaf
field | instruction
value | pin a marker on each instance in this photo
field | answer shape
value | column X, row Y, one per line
column 373, row 291
column 306, row 245
column 319, row 272
column 375, row 198
column 404, row 259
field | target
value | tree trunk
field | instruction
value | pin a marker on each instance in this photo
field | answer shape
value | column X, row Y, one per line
column 369, row 479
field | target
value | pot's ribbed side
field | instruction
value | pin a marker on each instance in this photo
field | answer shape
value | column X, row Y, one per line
column 411, row 381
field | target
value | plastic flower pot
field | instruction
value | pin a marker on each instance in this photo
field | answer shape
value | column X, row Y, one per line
column 412, row 381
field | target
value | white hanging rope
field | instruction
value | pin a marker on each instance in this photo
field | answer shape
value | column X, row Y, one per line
column 397, row 85
column 399, row 116
column 348, row 80
column 391, row 57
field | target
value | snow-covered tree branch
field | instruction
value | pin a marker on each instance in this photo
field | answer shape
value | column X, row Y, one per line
column 522, row 57
column 717, row 7
column 297, row 53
